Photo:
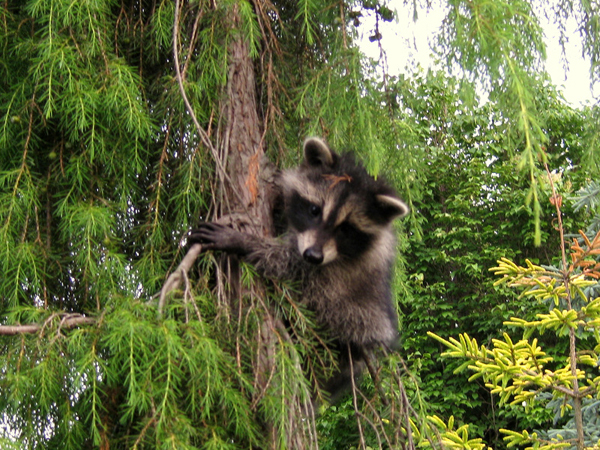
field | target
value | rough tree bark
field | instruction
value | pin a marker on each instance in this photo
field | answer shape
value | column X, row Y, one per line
column 249, row 192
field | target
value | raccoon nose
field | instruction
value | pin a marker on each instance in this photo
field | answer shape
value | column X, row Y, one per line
column 313, row 255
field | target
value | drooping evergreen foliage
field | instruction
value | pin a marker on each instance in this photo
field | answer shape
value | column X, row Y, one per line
column 103, row 170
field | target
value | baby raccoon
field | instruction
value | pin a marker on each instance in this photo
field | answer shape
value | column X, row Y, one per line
column 339, row 245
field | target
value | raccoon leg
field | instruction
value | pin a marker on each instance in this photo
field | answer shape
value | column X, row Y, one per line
column 273, row 258
column 214, row 236
column 340, row 383
column 369, row 357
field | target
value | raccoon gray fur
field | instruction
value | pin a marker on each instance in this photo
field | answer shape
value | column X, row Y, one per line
column 340, row 246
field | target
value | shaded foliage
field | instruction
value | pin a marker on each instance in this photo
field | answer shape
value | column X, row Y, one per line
column 473, row 214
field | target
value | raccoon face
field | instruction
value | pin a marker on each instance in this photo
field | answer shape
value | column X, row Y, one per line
column 334, row 208
column 314, row 236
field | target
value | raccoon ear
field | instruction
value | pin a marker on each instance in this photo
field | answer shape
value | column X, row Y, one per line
column 392, row 207
column 317, row 153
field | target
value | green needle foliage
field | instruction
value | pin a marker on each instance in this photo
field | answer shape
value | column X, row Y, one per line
column 102, row 173
column 104, row 169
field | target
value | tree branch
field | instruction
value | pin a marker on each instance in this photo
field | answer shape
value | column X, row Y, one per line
column 69, row 321
column 179, row 274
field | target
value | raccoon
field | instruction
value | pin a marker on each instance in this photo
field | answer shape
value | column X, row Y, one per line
column 339, row 245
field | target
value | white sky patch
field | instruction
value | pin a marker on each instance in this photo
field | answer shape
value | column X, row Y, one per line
column 408, row 43
column 575, row 82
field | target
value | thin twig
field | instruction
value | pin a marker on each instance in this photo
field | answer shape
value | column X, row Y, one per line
column 379, row 421
column 203, row 136
column 411, row 444
column 576, row 394
column 354, row 401
column 174, row 280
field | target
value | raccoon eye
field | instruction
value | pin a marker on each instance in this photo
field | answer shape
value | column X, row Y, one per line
column 314, row 210
column 346, row 228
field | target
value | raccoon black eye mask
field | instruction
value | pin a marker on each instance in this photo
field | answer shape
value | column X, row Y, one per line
column 339, row 245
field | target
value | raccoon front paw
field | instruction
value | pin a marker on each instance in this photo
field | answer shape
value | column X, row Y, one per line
column 214, row 236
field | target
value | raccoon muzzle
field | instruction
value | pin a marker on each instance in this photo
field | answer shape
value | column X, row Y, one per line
column 313, row 255
column 316, row 248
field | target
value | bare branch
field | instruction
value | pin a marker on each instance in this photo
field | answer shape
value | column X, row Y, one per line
column 68, row 322
column 174, row 280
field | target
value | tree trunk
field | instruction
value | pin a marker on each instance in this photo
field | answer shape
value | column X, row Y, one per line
column 249, row 193
column 242, row 146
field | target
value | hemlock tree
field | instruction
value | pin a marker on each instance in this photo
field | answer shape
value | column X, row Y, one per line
column 123, row 124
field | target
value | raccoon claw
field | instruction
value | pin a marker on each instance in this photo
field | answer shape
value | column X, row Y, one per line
column 214, row 236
